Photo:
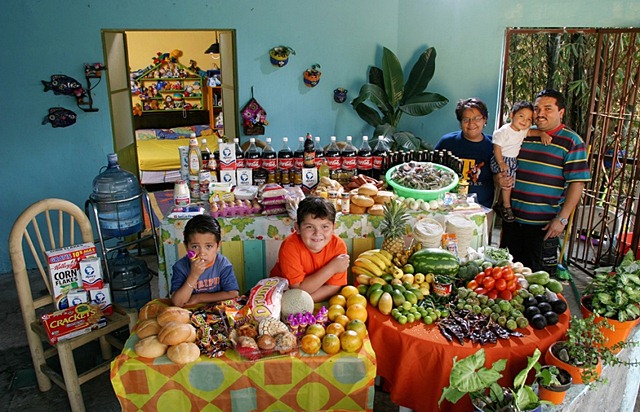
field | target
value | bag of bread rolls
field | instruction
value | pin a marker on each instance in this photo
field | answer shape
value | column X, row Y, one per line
column 147, row 328
column 174, row 314
column 184, row 352
column 174, row 333
column 150, row 347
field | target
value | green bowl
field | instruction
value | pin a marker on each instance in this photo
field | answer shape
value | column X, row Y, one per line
column 422, row 194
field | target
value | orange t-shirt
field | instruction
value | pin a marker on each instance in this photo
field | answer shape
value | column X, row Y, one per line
column 295, row 261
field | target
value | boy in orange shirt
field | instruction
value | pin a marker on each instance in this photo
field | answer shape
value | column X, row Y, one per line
column 314, row 258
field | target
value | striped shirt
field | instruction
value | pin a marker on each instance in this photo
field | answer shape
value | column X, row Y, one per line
column 544, row 173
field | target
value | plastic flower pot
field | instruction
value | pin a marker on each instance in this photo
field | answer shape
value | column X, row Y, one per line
column 556, row 394
column 550, row 358
column 620, row 331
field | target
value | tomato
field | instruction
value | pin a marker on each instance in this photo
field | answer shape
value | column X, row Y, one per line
column 508, row 274
column 472, row 284
column 501, row 284
column 493, row 294
column 488, row 283
column 488, row 271
column 496, row 272
column 512, row 285
column 479, row 278
column 481, row 291
column 506, row 295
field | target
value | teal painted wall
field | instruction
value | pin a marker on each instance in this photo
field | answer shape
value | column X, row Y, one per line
column 40, row 38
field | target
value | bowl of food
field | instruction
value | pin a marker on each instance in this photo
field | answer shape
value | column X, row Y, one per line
column 421, row 180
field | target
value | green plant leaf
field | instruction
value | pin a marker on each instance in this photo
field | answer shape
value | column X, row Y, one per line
column 369, row 115
column 526, row 398
column 423, row 104
column 393, row 77
column 387, row 130
column 406, row 141
column 521, row 377
column 421, row 73
column 376, row 76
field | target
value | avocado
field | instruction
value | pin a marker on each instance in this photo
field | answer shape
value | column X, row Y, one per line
column 531, row 311
column 544, row 307
column 559, row 306
column 538, row 321
column 551, row 317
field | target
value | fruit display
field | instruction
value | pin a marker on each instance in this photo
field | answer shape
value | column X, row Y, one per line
column 394, row 227
column 498, row 281
column 435, row 260
column 476, row 327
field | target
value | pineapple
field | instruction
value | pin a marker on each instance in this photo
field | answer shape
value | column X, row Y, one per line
column 394, row 228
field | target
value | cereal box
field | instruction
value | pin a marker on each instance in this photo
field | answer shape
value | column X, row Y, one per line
column 64, row 270
column 91, row 273
column 71, row 322
column 102, row 297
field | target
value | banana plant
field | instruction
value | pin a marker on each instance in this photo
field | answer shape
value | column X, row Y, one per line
column 387, row 91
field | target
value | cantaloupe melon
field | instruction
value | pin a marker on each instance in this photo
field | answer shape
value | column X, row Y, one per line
column 295, row 301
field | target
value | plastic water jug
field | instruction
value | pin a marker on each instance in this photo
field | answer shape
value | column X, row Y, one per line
column 130, row 280
column 117, row 216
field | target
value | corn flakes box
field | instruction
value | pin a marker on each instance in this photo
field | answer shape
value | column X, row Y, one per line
column 64, row 270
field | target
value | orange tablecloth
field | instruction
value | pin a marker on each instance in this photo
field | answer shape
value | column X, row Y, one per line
column 416, row 360
column 344, row 382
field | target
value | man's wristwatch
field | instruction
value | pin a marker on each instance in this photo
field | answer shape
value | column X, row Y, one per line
column 563, row 220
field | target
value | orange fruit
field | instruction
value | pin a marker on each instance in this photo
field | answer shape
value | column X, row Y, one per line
column 335, row 329
column 338, row 300
column 334, row 312
column 349, row 290
column 356, row 311
column 331, row 344
column 310, row 344
column 357, row 300
column 342, row 319
column 315, row 329
column 358, row 326
column 350, row 341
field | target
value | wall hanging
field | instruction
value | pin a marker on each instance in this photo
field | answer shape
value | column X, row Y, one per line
column 63, row 84
column 312, row 75
column 91, row 71
column 60, row 117
column 279, row 55
column 340, row 95
column 254, row 117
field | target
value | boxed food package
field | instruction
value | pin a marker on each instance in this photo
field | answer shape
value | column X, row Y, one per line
column 64, row 270
column 77, row 296
column 71, row 322
column 91, row 273
column 102, row 298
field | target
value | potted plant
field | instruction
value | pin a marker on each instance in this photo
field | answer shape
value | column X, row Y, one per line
column 312, row 75
column 279, row 55
column 391, row 97
column 615, row 295
column 553, row 383
column 470, row 377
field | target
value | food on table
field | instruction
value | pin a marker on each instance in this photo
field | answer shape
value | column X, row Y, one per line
column 271, row 326
column 266, row 342
column 174, row 333
column 394, row 228
column 150, row 310
column 148, row 327
column 184, row 352
column 435, row 260
column 286, row 342
column 173, row 314
column 295, row 301
column 331, row 344
column 150, row 347
column 422, row 176
column 350, row 341
column 310, row 344
column 248, row 329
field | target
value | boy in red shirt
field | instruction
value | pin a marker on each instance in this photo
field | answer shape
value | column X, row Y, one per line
column 314, row 258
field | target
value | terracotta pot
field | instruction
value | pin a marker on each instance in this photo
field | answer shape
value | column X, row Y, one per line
column 576, row 372
column 311, row 79
column 556, row 394
column 620, row 331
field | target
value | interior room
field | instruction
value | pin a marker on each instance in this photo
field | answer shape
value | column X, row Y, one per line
column 57, row 140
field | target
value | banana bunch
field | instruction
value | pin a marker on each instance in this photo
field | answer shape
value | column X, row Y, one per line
column 401, row 258
column 373, row 263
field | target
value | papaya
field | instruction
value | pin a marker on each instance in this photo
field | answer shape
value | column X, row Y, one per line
column 385, row 303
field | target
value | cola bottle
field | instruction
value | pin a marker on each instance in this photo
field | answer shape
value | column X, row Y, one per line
column 309, row 157
column 239, row 154
column 349, row 162
column 380, row 152
column 285, row 162
column 364, row 160
column 269, row 161
column 319, row 152
column 332, row 155
column 253, row 161
column 298, row 162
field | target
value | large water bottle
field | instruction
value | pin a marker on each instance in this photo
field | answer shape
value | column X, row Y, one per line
column 130, row 280
column 117, row 217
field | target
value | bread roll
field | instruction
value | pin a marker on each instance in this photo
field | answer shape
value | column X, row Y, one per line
column 150, row 347
column 174, row 333
column 147, row 328
column 184, row 352
column 357, row 210
column 383, row 197
column 368, row 189
column 363, row 201
column 174, row 314
column 376, row 210
column 150, row 310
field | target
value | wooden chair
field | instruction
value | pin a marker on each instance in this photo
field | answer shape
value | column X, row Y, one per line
column 46, row 225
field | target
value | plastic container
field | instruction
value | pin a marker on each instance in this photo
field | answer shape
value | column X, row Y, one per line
column 422, row 194
column 130, row 280
column 111, row 188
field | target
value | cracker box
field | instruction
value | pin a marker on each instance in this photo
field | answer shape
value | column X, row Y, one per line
column 102, row 298
column 64, row 270
column 71, row 322
column 91, row 273
column 77, row 296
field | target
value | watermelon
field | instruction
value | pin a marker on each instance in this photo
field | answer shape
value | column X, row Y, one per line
column 436, row 261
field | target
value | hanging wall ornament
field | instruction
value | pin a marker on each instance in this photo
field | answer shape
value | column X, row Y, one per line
column 312, row 76
column 60, row 117
column 63, row 84
column 340, row 95
column 254, row 117
column 279, row 55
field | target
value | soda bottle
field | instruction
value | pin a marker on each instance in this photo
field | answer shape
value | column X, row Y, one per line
column 285, row 162
column 206, row 154
column 349, row 162
column 252, row 160
column 332, row 155
column 239, row 154
column 309, row 157
column 379, row 154
column 195, row 164
column 319, row 152
column 269, row 161
column 364, row 160
column 298, row 162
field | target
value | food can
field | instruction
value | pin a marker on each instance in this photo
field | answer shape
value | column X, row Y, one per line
column 345, row 206
column 442, row 289
column 333, row 198
column 181, row 193
column 194, row 187
column 204, row 177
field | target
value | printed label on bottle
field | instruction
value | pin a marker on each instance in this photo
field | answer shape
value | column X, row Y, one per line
column 377, row 162
column 365, row 163
column 285, row 163
column 252, row 163
column 240, row 163
column 298, row 162
column 334, row 163
column 194, row 163
column 349, row 163
column 270, row 164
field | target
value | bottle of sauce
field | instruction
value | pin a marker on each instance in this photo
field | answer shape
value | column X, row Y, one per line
column 332, row 156
column 269, row 161
column 349, row 162
column 239, row 154
column 364, row 160
column 298, row 162
column 285, row 162
column 309, row 157
column 379, row 154
column 195, row 164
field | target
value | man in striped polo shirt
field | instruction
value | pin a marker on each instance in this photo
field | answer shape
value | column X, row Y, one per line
column 548, row 186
